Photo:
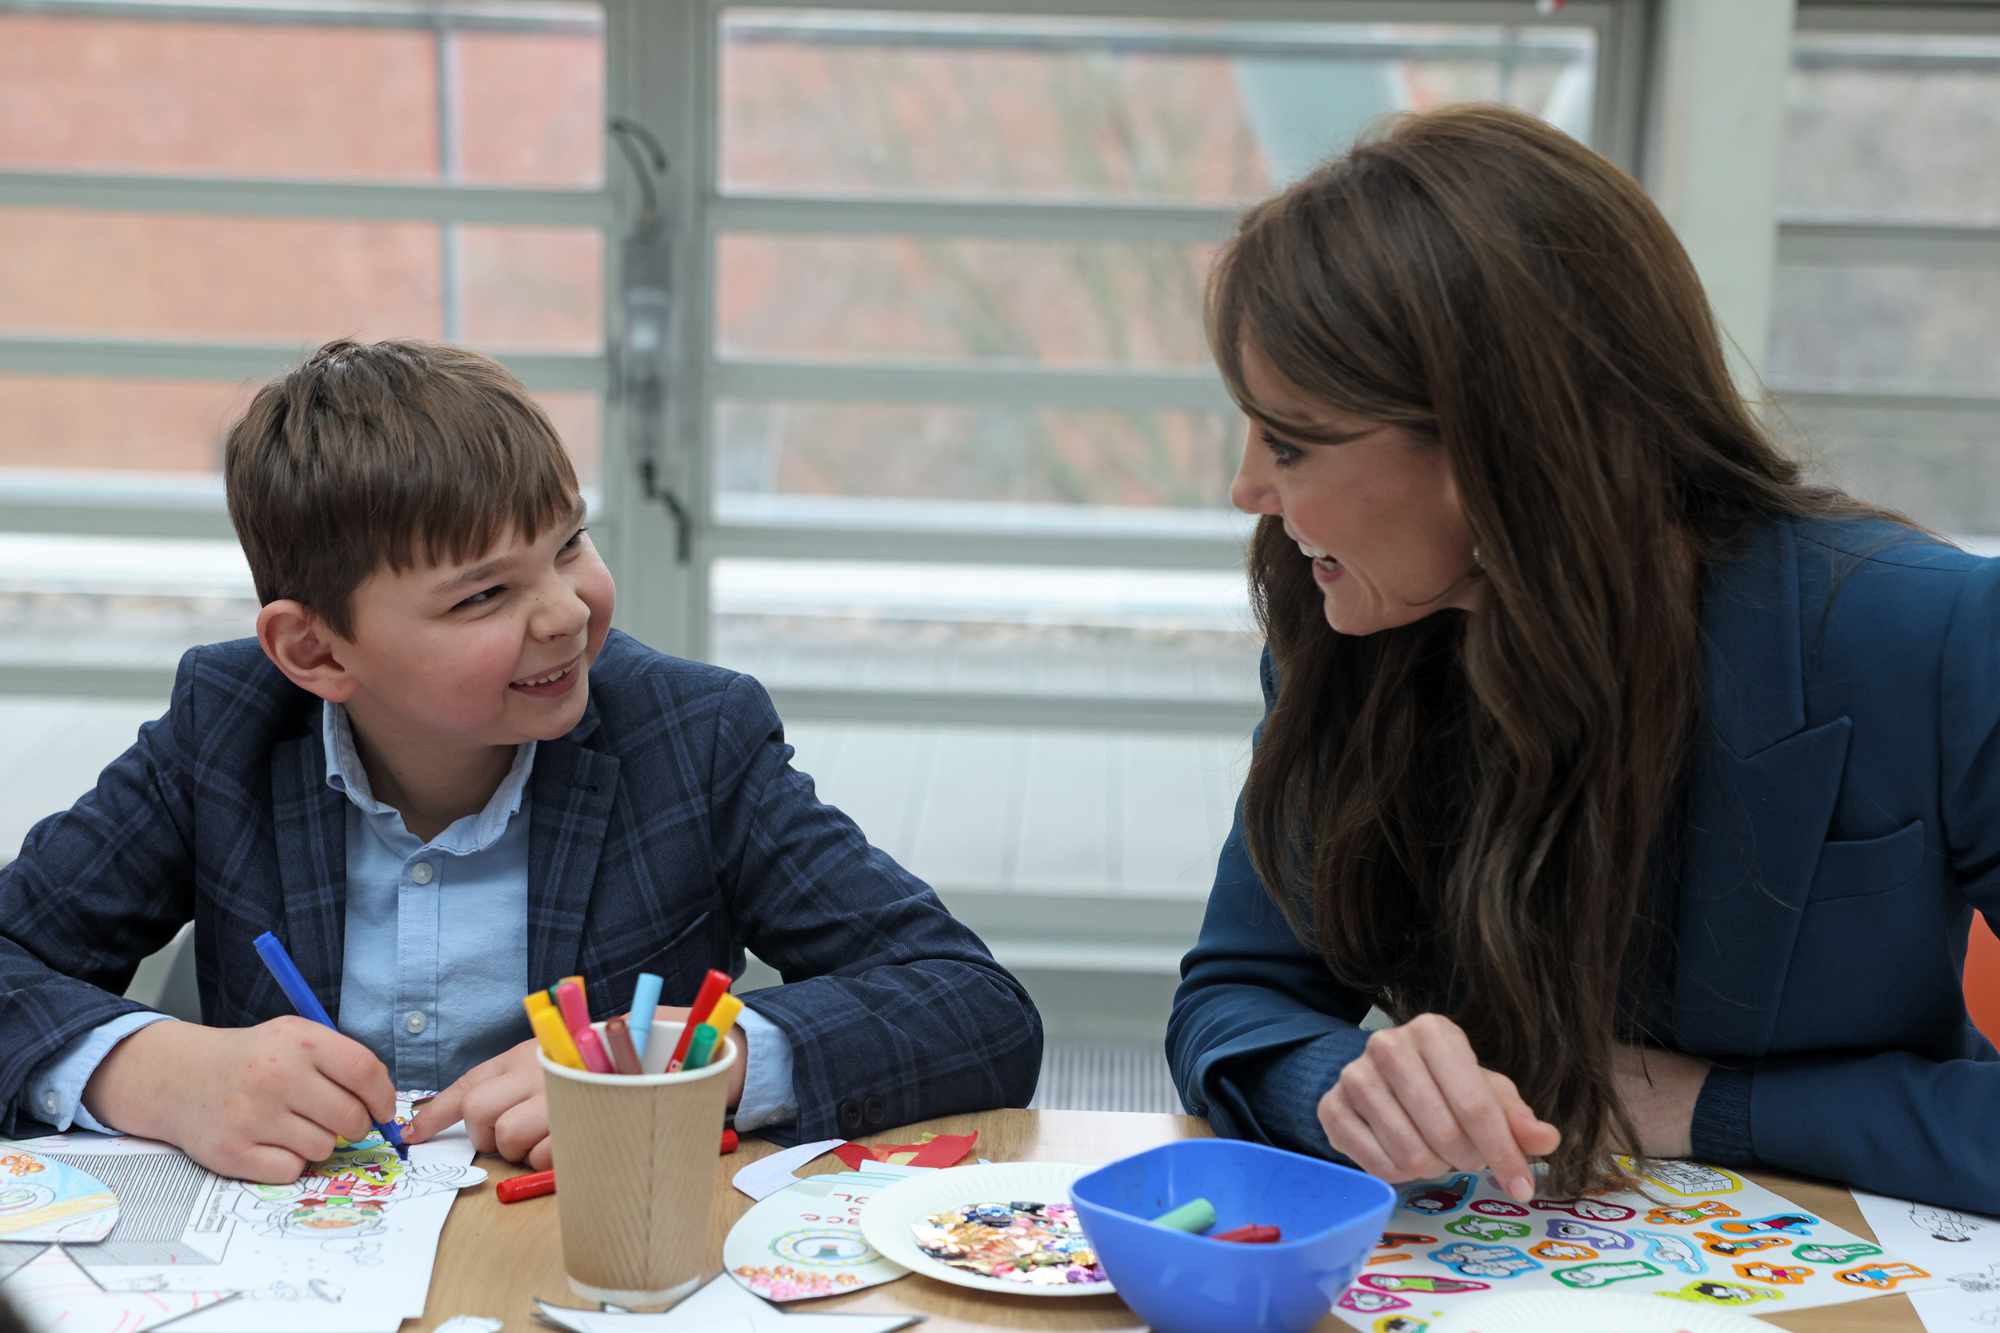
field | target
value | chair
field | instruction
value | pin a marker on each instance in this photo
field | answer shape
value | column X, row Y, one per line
column 1982, row 979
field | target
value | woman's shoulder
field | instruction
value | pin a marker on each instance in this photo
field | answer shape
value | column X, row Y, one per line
column 1883, row 546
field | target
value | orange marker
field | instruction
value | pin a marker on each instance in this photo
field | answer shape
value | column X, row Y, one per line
column 712, row 987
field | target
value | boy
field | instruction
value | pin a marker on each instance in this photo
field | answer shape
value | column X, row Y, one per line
column 441, row 779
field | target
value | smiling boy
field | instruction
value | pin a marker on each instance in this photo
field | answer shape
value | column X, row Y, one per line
column 441, row 778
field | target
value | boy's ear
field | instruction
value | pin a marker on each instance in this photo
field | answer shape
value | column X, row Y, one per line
column 300, row 645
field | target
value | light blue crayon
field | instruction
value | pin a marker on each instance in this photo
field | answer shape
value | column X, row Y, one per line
column 645, row 999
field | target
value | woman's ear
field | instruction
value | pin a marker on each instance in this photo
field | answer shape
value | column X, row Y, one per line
column 300, row 645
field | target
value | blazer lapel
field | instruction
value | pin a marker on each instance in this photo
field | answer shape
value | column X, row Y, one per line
column 572, row 791
column 1762, row 796
column 310, row 826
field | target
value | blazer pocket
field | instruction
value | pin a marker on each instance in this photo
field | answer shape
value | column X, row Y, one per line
column 1863, row 867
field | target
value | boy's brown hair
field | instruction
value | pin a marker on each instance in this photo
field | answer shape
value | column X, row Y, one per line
column 374, row 455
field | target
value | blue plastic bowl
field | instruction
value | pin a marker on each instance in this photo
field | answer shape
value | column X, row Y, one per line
column 1330, row 1217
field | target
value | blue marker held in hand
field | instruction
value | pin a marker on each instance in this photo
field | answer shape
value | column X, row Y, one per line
column 645, row 999
column 293, row 983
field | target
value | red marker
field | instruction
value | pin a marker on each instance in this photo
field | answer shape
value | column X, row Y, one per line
column 1251, row 1235
column 711, row 990
column 538, row 1183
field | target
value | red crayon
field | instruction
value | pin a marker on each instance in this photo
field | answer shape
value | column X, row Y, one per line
column 1253, row 1234
column 711, row 990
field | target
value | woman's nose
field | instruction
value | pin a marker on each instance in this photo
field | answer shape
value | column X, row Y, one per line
column 1251, row 490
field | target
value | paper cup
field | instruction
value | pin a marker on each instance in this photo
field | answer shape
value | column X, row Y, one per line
column 636, row 1157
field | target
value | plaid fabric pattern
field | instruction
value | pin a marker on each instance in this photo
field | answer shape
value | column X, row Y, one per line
column 669, row 833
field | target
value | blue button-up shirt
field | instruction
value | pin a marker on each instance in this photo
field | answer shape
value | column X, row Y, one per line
column 436, row 954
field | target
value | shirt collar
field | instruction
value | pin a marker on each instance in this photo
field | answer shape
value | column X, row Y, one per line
column 473, row 833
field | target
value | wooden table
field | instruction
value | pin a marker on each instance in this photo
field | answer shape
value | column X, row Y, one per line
column 495, row 1259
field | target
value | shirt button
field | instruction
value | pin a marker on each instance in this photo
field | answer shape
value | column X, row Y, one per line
column 413, row 1022
column 421, row 872
column 51, row 1103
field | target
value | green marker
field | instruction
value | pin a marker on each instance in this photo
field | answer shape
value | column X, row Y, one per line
column 1196, row 1215
column 700, row 1046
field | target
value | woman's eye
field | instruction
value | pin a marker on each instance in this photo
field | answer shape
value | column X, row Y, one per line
column 480, row 598
column 1282, row 454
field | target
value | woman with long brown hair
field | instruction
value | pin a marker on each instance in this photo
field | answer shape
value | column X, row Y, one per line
column 1646, row 788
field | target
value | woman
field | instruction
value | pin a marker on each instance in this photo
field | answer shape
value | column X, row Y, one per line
column 1646, row 788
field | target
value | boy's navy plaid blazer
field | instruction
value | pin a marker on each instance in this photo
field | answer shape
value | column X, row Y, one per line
column 668, row 832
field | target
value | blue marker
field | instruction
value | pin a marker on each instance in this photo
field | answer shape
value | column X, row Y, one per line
column 293, row 983
column 645, row 999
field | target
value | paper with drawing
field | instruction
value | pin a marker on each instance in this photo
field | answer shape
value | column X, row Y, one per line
column 1962, row 1250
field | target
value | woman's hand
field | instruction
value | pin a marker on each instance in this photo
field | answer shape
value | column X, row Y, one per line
column 1417, row 1103
column 1659, row 1089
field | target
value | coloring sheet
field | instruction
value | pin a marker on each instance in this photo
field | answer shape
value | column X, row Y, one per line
column 805, row 1240
column 50, row 1291
column 42, row 1199
column 1711, row 1237
column 718, row 1307
column 347, row 1247
column 1961, row 1249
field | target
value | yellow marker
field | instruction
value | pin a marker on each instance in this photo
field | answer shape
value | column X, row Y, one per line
column 722, row 1018
column 557, row 1044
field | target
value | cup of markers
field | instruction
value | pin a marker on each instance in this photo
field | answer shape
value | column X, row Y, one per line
column 630, row 1098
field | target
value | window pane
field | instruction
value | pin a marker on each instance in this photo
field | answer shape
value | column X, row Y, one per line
column 918, row 298
column 997, row 105
column 1013, row 629
column 308, row 100
column 57, row 423
column 123, row 275
column 100, row 601
column 1163, row 459
column 1878, row 128
column 1938, row 467
column 1882, row 327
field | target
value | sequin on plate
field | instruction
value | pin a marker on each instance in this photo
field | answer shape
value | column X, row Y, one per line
column 1035, row 1244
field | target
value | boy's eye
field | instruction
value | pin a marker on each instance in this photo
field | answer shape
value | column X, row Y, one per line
column 1282, row 454
column 575, row 539
column 480, row 598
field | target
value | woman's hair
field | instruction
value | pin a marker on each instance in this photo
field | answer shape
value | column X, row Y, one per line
column 1461, row 815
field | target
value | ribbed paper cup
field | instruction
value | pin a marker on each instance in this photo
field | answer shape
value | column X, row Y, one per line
column 636, row 1161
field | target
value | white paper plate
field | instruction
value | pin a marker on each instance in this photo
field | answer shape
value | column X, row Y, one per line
column 887, row 1220
column 1588, row 1312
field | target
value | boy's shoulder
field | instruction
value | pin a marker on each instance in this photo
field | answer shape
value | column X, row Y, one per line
column 634, row 688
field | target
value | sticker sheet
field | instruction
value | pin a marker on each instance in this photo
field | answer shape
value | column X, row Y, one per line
column 1709, row 1237
column 1961, row 1249
column 805, row 1240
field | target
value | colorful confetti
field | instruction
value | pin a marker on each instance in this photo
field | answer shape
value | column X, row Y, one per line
column 1035, row 1244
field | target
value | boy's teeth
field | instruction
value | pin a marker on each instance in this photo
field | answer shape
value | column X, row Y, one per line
column 544, row 680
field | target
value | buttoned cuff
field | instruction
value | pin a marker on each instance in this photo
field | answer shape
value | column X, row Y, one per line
column 768, row 1098
column 55, row 1088
column 1720, row 1134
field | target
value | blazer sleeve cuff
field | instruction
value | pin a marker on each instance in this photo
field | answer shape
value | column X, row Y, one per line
column 1252, row 1093
column 1721, row 1131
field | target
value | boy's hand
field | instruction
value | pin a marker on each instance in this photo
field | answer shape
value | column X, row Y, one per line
column 502, row 1104
column 253, row 1103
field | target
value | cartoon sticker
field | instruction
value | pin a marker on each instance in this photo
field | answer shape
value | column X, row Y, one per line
column 1594, row 1210
column 1689, row 1179
column 1881, row 1277
column 1469, row 1260
column 1791, row 1224
column 1589, row 1233
column 1720, row 1293
column 1488, row 1228
column 1397, row 1257
column 1768, row 1272
column 1561, row 1251
column 1397, row 1239
column 1499, row 1208
column 1690, row 1215
column 1835, row 1254
column 1440, row 1286
column 1401, row 1323
column 1730, row 1249
column 1671, row 1251
column 1369, row 1302
column 1439, row 1197
column 1591, row 1276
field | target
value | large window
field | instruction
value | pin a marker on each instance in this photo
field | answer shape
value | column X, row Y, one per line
column 1884, row 346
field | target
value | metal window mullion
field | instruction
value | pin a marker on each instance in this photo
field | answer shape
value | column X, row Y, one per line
column 1879, row 243
column 333, row 200
column 518, row 18
column 113, row 358
column 1079, row 712
column 1109, row 224
column 1577, row 14
column 977, row 544
column 1898, row 19
column 1973, row 409
column 978, row 386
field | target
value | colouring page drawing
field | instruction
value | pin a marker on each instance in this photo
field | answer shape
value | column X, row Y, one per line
column 1961, row 1249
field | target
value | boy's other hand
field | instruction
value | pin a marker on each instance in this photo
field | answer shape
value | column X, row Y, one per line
column 502, row 1104
column 254, row 1103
